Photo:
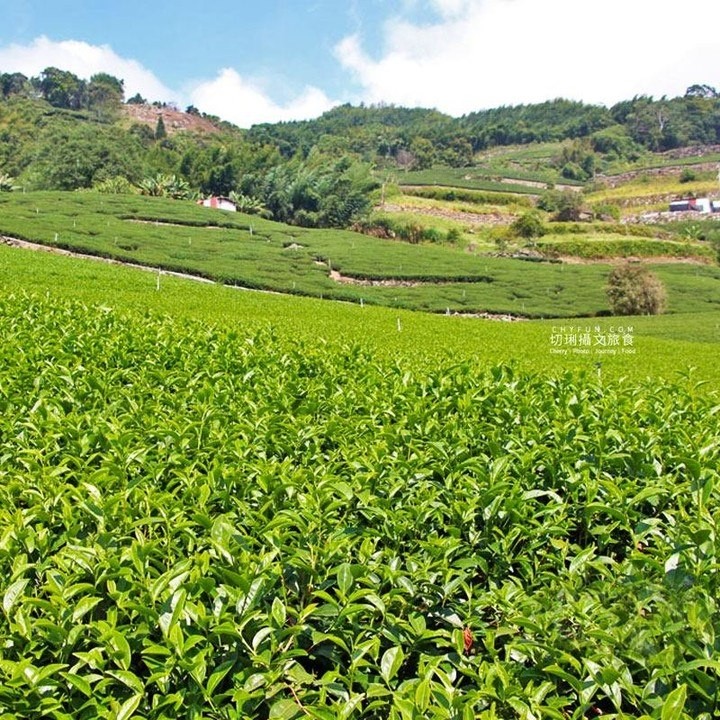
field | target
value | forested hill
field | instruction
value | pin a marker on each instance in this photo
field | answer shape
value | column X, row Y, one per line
column 379, row 132
column 58, row 131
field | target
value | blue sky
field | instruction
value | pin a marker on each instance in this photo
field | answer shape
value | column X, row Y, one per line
column 289, row 43
column 266, row 61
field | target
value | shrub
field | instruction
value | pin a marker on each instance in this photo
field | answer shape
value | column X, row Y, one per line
column 381, row 227
column 528, row 225
column 453, row 235
column 501, row 238
column 606, row 211
column 633, row 290
column 411, row 232
column 570, row 206
column 572, row 171
column 117, row 185
column 687, row 176
column 433, row 235
column 549, row 200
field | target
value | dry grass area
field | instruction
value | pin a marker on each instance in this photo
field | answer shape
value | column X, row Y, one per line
column 175, row 120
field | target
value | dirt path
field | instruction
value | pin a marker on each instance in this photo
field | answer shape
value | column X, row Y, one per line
column 645, row 260
column 347, row 280
column 165, row 223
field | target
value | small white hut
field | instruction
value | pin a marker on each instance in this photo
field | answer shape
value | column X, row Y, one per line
column 220, row 203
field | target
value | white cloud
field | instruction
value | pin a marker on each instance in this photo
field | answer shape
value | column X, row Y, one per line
column 84, row 60
column 486, row 53
column 450, row 8
column 244, row 102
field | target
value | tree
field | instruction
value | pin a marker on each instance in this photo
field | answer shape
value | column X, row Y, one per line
column 248, row 204
column 14, row 84
column 160, row 131
column 7, row 183
column 569, row 206
column 115, row 186
column 61, row 88
column 162, row 185
column 633, row 290
column 70, row 155
column 702, row 91
column 577, row 160
column 615, row 142
column 424, row 152
column 105, row 90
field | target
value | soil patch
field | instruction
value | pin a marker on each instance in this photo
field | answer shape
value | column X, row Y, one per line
column 398, row 282
column 346, row 280
column 174, row 120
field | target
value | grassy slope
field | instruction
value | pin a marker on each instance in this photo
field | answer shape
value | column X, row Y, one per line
column 664, row 346
column 522, row 163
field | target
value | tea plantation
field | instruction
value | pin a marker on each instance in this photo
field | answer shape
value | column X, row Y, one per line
column 251, row 252
column 207, row 516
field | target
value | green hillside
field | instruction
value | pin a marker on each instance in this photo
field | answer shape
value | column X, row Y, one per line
column 236, row 504
column 282, row 464
column 252, row 252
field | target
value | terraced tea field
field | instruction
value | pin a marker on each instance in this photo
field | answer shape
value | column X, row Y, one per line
column 256, row 253
column 665, row 346
column 226, row 504
column 222, row 504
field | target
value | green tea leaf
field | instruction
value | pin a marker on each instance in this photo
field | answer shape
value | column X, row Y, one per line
column 129, row 679
column 391, row 661
column 216, row 677
column 284, row 710
column 13, row 593
column 672, row 708
column 278, row 612
column 78, row 682
column 345, row 578
column 128, row 708
column 84, row 606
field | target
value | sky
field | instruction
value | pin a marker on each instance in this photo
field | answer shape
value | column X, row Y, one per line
column 270, row 61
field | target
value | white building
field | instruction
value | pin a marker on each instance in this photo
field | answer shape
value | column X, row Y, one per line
column 220, row 203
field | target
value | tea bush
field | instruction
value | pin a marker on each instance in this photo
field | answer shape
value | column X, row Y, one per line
column 196, row 522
